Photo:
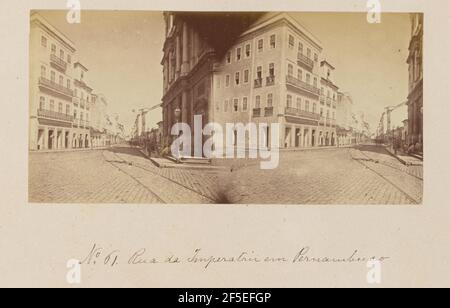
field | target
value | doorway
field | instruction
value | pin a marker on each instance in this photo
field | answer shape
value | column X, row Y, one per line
column 51, row 138
column 298, row 135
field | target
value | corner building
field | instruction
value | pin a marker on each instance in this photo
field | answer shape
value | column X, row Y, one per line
column 270, row 73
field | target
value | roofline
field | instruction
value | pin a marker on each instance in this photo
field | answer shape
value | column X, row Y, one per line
column 36, row 17
column 260, row 24
column 328, row 63
column 84, row 67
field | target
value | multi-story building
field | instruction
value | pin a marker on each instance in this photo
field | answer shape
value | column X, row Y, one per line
column 51, row 87
column 345, row 123
column 328, row 105
column 59, row 97
column 82, row 106
column 99, row 108
column 271, row 73
column 415, row 98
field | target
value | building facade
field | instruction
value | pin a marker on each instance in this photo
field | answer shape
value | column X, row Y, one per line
column 272, row 73
column 51, row 87
column 345, row 123
column 415, row 98
column 64, row 111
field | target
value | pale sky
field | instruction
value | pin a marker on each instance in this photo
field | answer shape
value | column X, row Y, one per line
column 370, row 59
column 123, row 51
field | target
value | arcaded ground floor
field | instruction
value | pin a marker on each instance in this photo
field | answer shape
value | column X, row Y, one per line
column 45, row 137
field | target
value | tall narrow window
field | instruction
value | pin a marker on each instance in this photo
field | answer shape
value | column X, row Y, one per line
column 307, row 106
column 258, row 102
column 69, row 85
column 261, row 45
column 259, row 73
column 291, row 41
column 53, row 49
column 248, row 50
column 53, row 77
column 300, row 75
column 239, row 54
column 68, row 109
column 52, row 105
column 60, row 108
column 308, row 53
column 315, row 82
column 246, row 76
column 316, row 57
column 289, row 101
column 238, row 78
column 272, row 69
column 227, row 80
column 273, row 41
column 290, row 70
column 270, row 100
column 300, row 48
column 61, row 80
column 61, row 54
column 69, row 59
column 42, row 103
column 299, row 103
column 245, row 104
column 43, row 72
column 225, row 106
column 229, row 57
column 308, row 78
column 314, row 108
column 236, row 105
column 44, row 41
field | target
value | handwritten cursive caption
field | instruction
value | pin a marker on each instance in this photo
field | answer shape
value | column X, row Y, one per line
column 99, row 256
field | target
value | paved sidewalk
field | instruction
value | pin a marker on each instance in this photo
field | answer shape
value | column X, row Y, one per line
column 204, row 182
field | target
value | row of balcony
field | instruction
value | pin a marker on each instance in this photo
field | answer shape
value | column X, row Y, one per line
column 53, row 115
column 270, row 81
column 53, row 86
column 62, row 117
column 304, row 61
column 301, row 113
column 291, row 80
column 58, row 63
column 327, row 122
column 80, row 102
column 328, row 100
column 257, row 112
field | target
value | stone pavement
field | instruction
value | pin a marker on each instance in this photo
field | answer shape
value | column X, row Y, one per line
column 324, row 177
column 365, row 175
column 109, row 177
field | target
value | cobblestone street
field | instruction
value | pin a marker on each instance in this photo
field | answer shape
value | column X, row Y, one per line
column 118, row 175
column 365, row 175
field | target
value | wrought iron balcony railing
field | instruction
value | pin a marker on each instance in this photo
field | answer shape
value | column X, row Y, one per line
column 258, row 83
column 303, row 114
column 305, row 61
column 58, row 62
column 256, row 112
column 52, row 115
column 291, row 80
column 270, row 81
column 51, row 85
column 268, row 111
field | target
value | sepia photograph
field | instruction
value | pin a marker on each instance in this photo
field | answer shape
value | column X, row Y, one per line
column 223, row 108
